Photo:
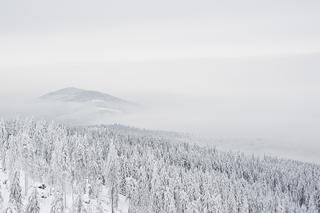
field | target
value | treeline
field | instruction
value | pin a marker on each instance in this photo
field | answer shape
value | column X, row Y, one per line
column 157, row 172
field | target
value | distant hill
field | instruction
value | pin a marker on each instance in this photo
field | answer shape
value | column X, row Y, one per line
column 80, row 95
column 81, row 106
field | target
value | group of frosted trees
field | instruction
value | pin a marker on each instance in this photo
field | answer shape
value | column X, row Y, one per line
column 155, row 171
column 65, row 162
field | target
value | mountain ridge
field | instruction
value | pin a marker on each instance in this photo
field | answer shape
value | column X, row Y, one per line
column 74, row 94
column 77, row 106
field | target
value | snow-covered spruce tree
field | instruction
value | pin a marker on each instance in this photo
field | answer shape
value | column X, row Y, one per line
column 143, row 191
column 1, row 199
column 78, row 206
column 169, row 201
column 131, row 193
column 26, row 150
column 57, row 205
column 61, row 166
column 183, row 201
column 15, row 198
column 12, row 161
column 111, row 174
column 244, row 207
column 4, row 136
column 33, row 203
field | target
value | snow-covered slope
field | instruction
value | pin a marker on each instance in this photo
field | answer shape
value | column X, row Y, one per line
column 156, row 172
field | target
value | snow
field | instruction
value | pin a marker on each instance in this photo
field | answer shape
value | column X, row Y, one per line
column 88, row 167
column 45, row 198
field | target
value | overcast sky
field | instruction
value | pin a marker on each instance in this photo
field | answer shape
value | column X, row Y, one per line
column 82, row 31
column 59, row 37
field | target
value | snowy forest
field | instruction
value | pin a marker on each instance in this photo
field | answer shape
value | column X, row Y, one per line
column 102, row 168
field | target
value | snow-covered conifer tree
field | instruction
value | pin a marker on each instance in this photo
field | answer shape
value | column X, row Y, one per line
column 78, row 206
column 244, row 207
column 131, row 193
column 15, row 199
column 4, row 136
column 169, row 201
column 33, row 204
column 57, row 205
column 111, row 174
column 1, row 199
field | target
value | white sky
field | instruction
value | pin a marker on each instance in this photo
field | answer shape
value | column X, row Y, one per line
column 77, row 31
column 57, row 38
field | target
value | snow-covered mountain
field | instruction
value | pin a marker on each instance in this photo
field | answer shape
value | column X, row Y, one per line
column 80, row 106
column 80, row 95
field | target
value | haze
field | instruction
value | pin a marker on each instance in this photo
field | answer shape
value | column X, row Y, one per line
column 224, row 69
